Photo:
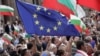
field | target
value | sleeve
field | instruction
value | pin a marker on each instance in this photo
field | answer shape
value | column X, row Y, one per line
column 78, row 54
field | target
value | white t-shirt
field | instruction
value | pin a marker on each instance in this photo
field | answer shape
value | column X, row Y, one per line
column 23, row 34
column 1, row 43
column 52, row 54
column 81, row 53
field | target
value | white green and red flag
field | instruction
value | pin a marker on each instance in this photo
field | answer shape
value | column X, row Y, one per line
column 67, row 7
column 6, row 10
column 81, row 27
column 55, row 5
column 7, row 38
column 76, row 8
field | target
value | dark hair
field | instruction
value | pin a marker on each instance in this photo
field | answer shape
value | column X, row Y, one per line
column 39, row 47
column 67, row 38
column 1, row 34
column 97, row 53
column 36, row 54
column 21, row 40
column 60, row 52
column 79, row 44
column 98, row 47
column 87, row 40
column 1, row 51
column 94, row 38
column 22, row 52
column 29, row 45
column 13, row 53
column 19, row 51
column 53, row 40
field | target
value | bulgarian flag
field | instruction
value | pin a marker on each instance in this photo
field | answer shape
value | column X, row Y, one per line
column 93, row 4
column 76, row 8
column 80, row 26
column 6, row 10
column 7, row 38
column 55, row 5
column 67, row 7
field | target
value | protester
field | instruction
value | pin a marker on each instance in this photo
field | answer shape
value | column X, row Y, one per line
column 20, row 43
column 9, row 28
column 80, row 45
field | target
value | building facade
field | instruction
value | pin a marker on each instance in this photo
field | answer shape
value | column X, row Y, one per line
column 13, row 5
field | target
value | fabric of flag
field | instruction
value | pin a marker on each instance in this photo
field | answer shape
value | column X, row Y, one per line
column 27, row 36
column 15, row 32
column 68, row 4
column 42, row 21
column 80, row 26
column 77, row 21
column 76, row 8
column 6, row 10
column 7, row 38
column 80, row 12
column 54, row 4
column 93, row 4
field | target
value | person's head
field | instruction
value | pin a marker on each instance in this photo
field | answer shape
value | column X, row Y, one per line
column 46, row 38
column 22, row 41
column 76, row 39
column 25, row 52
column 62, row 47
column 88, row 39
column 97, row 53
column 52, row 48
column 39, row 47
column 22, row 31
column 29, row 46
column 55, row 40
column 1, row 34
column 8, row 23
column 13, row 53
column 16, row 22
column 98, row 47
column 80, row 45
column 60, row 53
column 36, row 54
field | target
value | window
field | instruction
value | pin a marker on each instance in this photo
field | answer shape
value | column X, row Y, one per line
column 37, row 2
column 3, row 2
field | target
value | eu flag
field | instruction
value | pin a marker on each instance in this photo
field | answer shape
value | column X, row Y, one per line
column 42, row 21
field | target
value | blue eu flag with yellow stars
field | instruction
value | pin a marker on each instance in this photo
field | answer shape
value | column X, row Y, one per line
column 42, row 21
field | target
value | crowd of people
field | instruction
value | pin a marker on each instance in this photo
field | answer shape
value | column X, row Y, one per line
column 23, row 44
